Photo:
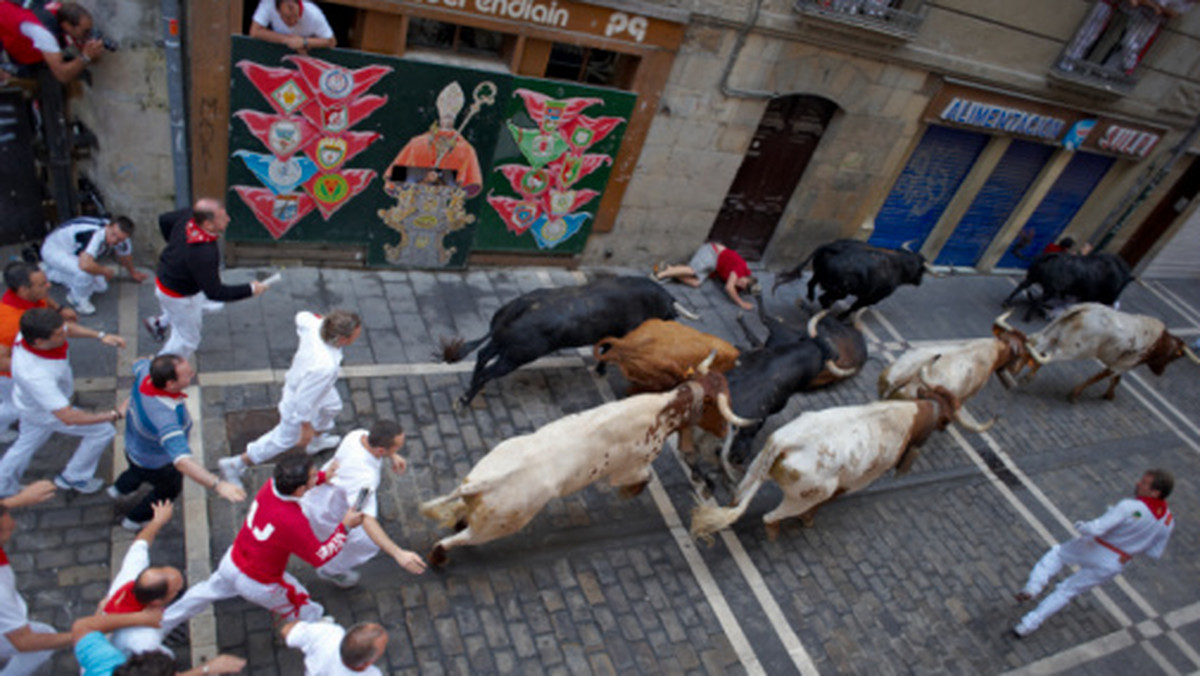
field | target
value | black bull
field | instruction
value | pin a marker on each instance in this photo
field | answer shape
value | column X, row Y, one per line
column 1095, row 278
column 542, row 321
column 849, row 267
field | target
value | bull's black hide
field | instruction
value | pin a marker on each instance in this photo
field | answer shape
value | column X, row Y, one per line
column 849, row 267
column 1095, row 278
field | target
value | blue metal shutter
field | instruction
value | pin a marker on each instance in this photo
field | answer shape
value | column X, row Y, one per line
column 1058, row 207
column 934, row 171
column 995, row 202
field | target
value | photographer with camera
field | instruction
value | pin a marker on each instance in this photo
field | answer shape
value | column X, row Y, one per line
column 31, row 41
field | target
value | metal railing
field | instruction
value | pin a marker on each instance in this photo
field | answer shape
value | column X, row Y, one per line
column 894, row 17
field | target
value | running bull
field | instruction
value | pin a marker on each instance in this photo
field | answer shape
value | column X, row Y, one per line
column 962, row 367
column 659, row 355
column 1095, row 278
column 617, row 441
column 823, row 454
column 1121, row 341
column 542, row 321
column 849, row 267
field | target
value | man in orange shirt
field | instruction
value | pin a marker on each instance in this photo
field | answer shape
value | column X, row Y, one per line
column 28, row 288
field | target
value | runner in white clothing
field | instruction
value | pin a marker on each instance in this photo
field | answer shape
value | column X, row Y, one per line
column 70, row 257
column 310, row 401
column 360, row 459
column 330, row 650
column 1104, row 546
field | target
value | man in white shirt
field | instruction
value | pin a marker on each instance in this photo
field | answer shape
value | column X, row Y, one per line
column 1104, row 546
column 359, row 461
column 42, row 389
column 310, row 401
column 70, row 257
column 330, row 650
column 297, row 24
column 26, row 645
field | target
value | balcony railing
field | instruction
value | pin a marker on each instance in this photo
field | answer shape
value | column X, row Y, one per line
column 896, row 18
column 1092, row 76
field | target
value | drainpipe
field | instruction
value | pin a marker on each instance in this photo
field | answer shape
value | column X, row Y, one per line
column 1140, row 192
column 737, row 51
column 174, row 57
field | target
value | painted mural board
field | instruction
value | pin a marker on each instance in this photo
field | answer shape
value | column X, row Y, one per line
column 552, row 163
column 420, row 162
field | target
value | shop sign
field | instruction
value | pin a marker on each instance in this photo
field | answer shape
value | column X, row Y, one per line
column 1126, row 140
column 573, row 16
column 1002, row 118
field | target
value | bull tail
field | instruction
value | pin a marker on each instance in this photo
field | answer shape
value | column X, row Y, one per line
column 447, row 510
column 795, row 273
column 708, row 519
column 454, row 349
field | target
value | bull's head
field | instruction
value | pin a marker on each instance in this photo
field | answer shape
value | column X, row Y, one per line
column 711, row 389
column 948, row 404
column 1014, row 354
column 1168, row 348
column 918, row 264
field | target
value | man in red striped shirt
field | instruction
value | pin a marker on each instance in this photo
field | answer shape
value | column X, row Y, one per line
column 718, row 262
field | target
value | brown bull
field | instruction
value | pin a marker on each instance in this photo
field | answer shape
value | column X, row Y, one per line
column 659, row 355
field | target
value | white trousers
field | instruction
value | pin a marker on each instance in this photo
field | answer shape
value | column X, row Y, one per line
column 23, row 664
column 227, row 582
column 36, row 429
column 358, row 550
column 286, row 434
column 63, row 268
column 8, row 410
column 1097, row 566
column 184, row 316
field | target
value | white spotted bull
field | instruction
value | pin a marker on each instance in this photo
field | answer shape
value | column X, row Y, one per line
column 1120, row 340
column 962, row 367
column 616, row 441
column 823, row 454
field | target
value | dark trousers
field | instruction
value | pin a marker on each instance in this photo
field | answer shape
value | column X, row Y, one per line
column 167, row 483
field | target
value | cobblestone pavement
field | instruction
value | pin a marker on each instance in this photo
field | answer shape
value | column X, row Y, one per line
column 914, row 574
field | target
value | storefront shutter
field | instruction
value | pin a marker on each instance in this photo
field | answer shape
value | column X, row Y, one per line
column 934, row 171
column 995, row 202
column 1059, row 206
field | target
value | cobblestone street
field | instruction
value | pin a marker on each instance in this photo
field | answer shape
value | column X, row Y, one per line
column 914, row 574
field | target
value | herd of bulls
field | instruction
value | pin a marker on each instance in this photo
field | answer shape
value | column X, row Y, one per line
column 681, row 378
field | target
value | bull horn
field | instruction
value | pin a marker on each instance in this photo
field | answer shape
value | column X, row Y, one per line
column 727, row 412
column 1038, row 357
column 975, row 427
column 930, row 269
column 816, row 319
column 685, row 313
column 1190, row 355
column 841, row 373
column 925, row 373
column 1001, row 321
column 702, row 367
column 856, row 319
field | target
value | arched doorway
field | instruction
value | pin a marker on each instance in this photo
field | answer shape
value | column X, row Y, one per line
column 786, row 138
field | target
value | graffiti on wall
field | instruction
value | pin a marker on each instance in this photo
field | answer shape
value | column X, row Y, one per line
column 310, row 137
column 548, row 201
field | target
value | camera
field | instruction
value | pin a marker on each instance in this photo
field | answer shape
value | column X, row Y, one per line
column 109, row 43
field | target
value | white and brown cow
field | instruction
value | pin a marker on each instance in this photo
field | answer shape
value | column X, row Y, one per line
column 822, row 454
column 1120, row 340
column 659, row 355
column 616, row 441
column 962, row 367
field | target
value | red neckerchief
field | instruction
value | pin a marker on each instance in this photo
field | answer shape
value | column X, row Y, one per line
column 11, row 298
column 300, row 4
column 147, row 388
column 123, row 601
column 1157, row 506
column 198, row 235
column 59, row 352
column 3, row 557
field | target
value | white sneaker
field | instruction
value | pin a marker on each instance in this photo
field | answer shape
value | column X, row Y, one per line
column 344, row 580
column 231, row 470
column 113, row 492
column 322, row 442
column 85, row 486
column 82, row 305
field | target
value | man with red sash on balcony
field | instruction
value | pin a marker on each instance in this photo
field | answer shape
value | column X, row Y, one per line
column 189, row 272
column 1134, row 526
column 255, row 567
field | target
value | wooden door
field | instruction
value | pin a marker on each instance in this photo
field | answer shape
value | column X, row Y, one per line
column 1160, row 220
column 787, row 135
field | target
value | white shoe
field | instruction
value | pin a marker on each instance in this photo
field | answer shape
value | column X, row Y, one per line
column 85, row 486
column 323, row 442
column 344, row 580
column 231, row 470
column 113, row 492
column 82, row 305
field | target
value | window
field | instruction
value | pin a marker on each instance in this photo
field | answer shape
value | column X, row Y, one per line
column 465, row 40
column 589, row 65
column 898, row 18
column 1110, row 43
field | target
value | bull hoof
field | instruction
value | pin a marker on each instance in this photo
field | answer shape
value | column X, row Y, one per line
column 437, row 557
column 806, row 520
column 772, row 531
column 1110, row 395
